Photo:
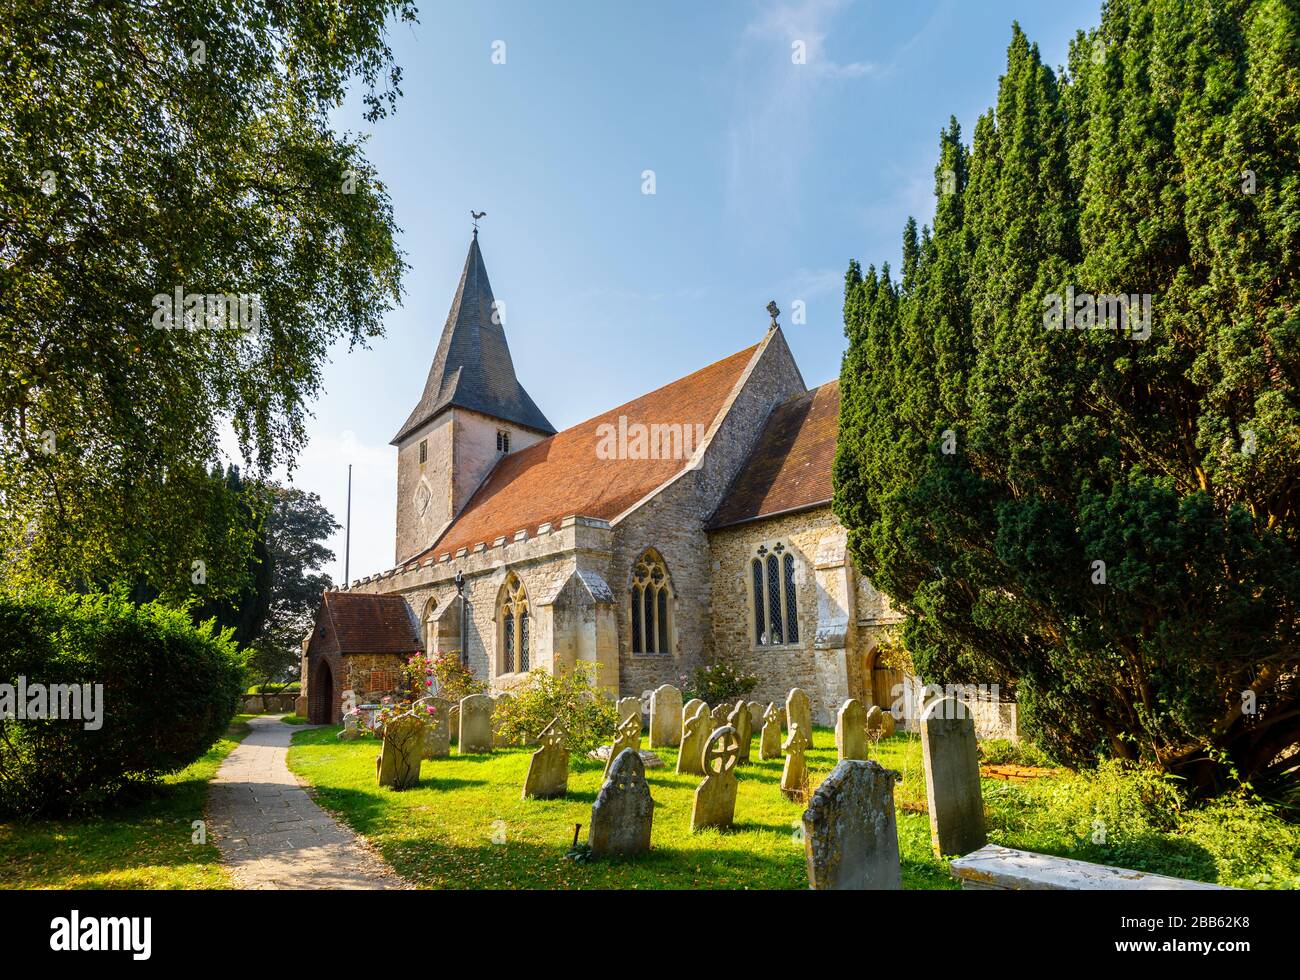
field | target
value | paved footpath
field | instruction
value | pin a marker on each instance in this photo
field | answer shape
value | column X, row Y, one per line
column 271, row 834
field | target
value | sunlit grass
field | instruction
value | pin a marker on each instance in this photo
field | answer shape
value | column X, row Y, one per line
column 146, row 844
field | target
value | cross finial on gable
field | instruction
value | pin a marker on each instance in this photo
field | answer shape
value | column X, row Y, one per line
column 773, row 312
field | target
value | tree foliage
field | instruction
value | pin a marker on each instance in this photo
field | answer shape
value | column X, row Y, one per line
column 988, row 464
column 150, row 147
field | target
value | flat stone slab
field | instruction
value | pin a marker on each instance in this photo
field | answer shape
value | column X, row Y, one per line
column 650, row 760
column 271, row 834
column 1007, row 869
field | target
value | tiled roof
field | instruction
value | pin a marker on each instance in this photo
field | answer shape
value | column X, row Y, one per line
column 371, row 623
column 790, row 466
column 563, row 475
column 472, row 367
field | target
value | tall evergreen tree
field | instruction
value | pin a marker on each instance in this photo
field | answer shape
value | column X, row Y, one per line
column 1104, row 520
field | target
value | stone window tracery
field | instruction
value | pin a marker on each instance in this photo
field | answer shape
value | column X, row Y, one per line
column 516, row 650
column 773, row 594
column 651, row 593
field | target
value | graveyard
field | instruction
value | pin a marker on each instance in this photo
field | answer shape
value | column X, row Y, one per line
column 466, row 823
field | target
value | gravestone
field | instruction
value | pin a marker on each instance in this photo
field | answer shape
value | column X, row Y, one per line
column 794, row 775
column 350, row 727
column 629, row 708
column 880, row 724
column 665, row 717
column 398, row 762
column 623, row 812
column 755, row 716
column 798, row 710
column 851, row 730
column 715, row 797
column 694, row 736
column 688, row 709
column 952, row 777
column 548, row 770
column 437, row 729
column 720, row 714
column 627, row 736
column 850, row 833
column 475, row 725
column 739, row 720
column 769, row 742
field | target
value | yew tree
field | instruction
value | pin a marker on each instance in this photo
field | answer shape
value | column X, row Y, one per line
column 1104, row 523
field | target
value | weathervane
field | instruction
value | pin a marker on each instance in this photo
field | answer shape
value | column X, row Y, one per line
column 476, row 215
column 773, row 311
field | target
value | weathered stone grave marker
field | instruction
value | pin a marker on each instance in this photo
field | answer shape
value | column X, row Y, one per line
column 398, row 762
column 794, row 775
column 548, row 770
column 665, row 717
column 475, row 725
column 694, row 736
column 627, row 736
column 851, row 730
column 850, row 832
column 623, row 813
column 798, row 710
column 952, row 777
column 739, row 720
column 769, row 743
column 715, row 797
column 437, row 730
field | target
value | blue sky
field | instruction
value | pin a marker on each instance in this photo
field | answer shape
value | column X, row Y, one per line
column 769, row 177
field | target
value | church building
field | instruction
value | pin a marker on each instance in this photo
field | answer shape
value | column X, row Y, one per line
column 688, row 526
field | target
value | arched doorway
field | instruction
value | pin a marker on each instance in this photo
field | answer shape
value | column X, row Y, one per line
column 321, row 696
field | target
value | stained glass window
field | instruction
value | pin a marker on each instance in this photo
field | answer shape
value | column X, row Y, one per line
column 651, row 609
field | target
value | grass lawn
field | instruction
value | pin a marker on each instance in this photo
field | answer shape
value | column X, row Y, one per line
column 146, row 844
column 440, row 835
column 295, row 720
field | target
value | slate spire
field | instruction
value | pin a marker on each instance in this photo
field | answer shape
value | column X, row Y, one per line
column 472, row 368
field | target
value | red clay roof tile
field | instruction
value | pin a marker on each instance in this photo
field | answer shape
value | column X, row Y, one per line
column 790, row 467
column 563, row 475
column 371, row 623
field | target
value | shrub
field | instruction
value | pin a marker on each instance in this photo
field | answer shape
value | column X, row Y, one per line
column 589, row 715
column 441, row 674
column 1001, row 751
column 170, row 689
column 717, row 683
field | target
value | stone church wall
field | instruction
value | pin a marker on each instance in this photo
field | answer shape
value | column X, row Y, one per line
column 673, row 522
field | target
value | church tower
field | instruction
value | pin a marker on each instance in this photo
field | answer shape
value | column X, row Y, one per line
column 472, row 412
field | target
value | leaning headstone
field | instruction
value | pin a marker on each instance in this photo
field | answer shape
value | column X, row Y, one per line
column 694, row 736
column 798, row 710
column 952, row 777
column 548, row 771
column 475, row 725
column 769, row 743
column 398, row 762
column 665, row 717
column 715, row 797
column 623, row 812
column 739, row 720
column 437, row 729
column 629, row 708
column 794, row 775
column 850, row 834
column 627, row 736
column 851, row 730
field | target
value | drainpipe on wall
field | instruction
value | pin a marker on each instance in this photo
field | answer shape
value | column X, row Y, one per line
column 460, row 594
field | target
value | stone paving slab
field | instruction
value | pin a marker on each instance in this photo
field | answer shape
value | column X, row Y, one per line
column 270, row 832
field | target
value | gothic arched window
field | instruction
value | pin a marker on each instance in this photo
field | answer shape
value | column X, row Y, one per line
column 651, row 595
column 776, row 609
column 516, row 652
